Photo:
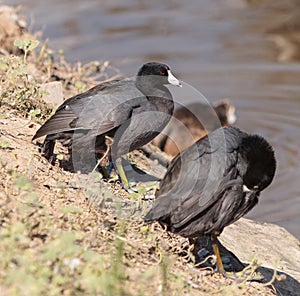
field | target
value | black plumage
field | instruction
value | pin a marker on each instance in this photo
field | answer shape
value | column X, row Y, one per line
column 139, row 108
column 213, row 183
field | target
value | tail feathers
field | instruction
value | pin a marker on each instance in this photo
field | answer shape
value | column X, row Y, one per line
column 159, row 212
column 149, row 217
column 62, row 121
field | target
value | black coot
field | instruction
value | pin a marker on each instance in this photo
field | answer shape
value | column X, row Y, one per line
column 133, row 110
column 213, row 183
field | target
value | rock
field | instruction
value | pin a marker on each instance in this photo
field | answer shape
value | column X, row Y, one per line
column 9, row 20
column 267, row 243
column 53, row 93
column 11, row 28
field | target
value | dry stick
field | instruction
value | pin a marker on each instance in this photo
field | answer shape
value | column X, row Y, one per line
column 105, row 154
column 203, row 261
column 275, row 276
column 189, row 251
column 164, row 160
column 252, row 267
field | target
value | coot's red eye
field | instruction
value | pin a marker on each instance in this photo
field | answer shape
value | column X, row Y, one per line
column 161, row 73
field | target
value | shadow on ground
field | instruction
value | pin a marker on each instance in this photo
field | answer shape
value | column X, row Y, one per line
column 286, row 287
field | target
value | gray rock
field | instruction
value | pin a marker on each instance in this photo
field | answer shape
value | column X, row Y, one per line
column 53, row 93
column 267, row 243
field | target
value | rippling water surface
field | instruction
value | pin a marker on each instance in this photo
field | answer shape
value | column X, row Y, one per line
column 222, row 48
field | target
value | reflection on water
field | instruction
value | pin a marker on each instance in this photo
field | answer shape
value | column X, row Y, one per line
column 223, row 48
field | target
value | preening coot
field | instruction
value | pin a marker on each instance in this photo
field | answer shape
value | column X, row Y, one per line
column 133, row 110
column 213, row 183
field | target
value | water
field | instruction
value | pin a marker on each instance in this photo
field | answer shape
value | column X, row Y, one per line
column 222, row 48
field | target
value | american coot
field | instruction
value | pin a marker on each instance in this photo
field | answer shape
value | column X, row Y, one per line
column 213, row 183
column 193, row 122
column 139, row 108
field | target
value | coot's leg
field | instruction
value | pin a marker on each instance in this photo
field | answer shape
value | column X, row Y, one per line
column 244, row 275
column 121, row 172
column 219, row 263
column 109, row 168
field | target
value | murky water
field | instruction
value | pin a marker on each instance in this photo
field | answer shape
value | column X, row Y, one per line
column 222, row 48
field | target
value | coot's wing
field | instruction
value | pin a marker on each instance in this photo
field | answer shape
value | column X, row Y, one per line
column 230, row 204
column 66, row 115
column 196, row 178
column 203, row 199
column 236, row 203
column 101, row 108
column 61, row 121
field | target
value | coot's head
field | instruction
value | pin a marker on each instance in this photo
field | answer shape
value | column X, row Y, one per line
column 261, row 162
column 158, row 73
column 225, row 111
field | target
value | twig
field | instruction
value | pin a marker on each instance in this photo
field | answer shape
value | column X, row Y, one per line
column 104, row 156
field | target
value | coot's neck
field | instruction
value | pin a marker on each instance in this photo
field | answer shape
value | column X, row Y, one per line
column 152, row 86
column 156, row 93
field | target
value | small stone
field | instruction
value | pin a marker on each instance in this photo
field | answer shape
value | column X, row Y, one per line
column 73, row 185
column 225, row 259
column 148, row 197
column 52, row 93
column 203, row 253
